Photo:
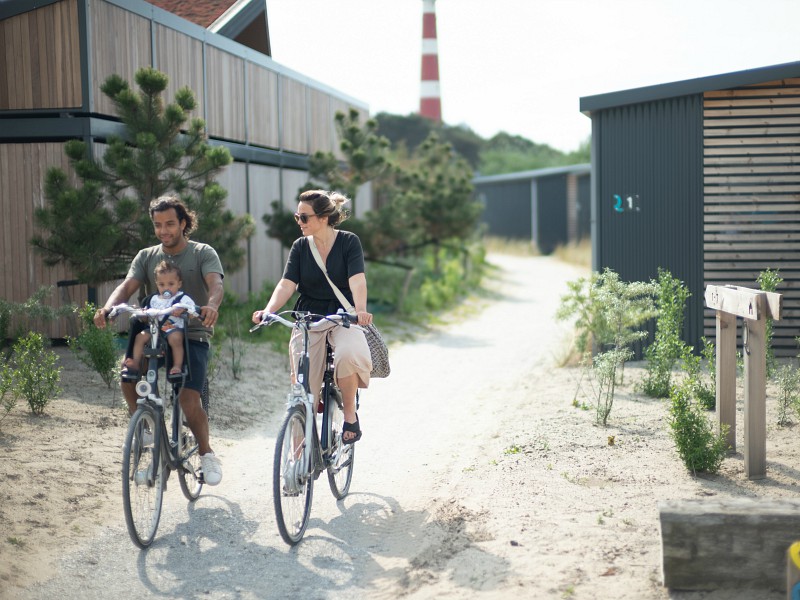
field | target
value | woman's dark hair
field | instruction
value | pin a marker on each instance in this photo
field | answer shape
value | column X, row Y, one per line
column 168, row 201
column 327, row 204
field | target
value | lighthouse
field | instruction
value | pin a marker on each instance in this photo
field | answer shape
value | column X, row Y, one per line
column 430, row 100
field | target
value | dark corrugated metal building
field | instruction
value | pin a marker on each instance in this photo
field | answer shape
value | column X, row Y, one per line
column 701, row 177
column 549, row 206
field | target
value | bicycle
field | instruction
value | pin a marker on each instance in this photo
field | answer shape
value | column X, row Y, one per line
column 150, row 452
column 298, row 464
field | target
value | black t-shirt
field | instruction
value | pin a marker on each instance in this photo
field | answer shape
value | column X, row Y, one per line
column 345, row 259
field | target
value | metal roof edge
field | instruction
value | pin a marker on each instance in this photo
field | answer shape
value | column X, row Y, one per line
column 237, row 17
column 688, row 87
column 534, row 174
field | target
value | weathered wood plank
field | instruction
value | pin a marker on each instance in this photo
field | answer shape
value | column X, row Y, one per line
column 738, row 542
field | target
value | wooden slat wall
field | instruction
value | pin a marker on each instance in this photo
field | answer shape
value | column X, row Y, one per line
column 180, row 56
column 265, row 108
column 322, row 125
column 40, row 64
column 262, row 106
column 225, row 93
column 122, row 43
column 294, row 115
column 752, row 194
column 23, row 167
column 266, row 254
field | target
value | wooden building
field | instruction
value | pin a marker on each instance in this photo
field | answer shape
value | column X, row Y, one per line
column 702, row 177
column 548, row 207
column 57, row 53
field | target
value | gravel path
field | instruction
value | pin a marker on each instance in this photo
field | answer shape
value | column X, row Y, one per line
column 421, row 428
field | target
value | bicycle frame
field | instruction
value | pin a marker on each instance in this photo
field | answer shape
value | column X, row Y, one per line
column 298, row 462
column 146, row 464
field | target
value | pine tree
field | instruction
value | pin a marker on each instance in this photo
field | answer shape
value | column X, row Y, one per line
column 98, row 227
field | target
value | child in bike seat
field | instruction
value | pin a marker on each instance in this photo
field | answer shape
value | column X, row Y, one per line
column 168, row 281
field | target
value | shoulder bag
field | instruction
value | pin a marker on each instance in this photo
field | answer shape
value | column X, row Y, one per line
column 377, row 347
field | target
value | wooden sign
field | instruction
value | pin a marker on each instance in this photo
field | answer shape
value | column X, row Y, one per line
column 743, row 302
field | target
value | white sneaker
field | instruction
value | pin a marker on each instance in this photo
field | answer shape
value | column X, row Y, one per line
column 212, row 468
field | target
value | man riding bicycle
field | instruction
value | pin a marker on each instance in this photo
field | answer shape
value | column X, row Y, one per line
column 202, row 280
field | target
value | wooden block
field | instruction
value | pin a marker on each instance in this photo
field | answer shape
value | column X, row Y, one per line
column 737, row 542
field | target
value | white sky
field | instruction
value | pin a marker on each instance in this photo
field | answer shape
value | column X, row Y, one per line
column 521, row 66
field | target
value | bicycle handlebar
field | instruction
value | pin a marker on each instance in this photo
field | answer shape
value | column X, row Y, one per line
column 151, row 312
column 343, row 318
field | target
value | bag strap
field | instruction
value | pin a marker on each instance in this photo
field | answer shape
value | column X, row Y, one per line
column 315, row 251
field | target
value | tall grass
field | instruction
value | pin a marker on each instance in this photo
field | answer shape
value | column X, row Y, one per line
column 578, row 253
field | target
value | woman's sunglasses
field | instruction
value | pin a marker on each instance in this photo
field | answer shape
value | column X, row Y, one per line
column 301, row 218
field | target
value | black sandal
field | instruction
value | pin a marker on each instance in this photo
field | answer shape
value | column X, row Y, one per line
column 352, row 428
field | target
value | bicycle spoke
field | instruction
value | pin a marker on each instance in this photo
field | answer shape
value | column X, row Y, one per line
column 292, row 487
column 142, row 479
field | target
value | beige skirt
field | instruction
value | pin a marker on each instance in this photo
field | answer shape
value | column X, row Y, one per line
column 352, row 355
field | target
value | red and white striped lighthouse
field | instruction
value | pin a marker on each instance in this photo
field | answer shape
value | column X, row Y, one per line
column 430, row 101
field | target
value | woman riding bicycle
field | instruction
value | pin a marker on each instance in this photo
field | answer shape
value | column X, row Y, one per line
column 318, row 213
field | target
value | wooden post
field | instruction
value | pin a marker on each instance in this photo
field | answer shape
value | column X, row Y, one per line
column 754, row 307
column 755, row 394
column 726, row 375
column 793, row 572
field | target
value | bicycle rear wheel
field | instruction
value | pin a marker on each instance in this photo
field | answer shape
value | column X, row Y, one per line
column 189, row 458
column 341, row 456
column 292, row 487
column 142, row 478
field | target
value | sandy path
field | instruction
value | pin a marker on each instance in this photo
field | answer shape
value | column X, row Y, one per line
column 476, row 477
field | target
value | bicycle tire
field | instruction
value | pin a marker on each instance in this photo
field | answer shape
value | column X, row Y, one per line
column 341, row 456
column 189, row 459
column 142, row 480
column 292, row 490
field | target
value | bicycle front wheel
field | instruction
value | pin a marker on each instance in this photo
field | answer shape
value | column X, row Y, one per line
column 341, row 455
column 142, row 478
column 292, row 485
column 189, row 458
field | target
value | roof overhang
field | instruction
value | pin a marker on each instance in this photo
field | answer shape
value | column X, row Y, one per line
column 588, row 104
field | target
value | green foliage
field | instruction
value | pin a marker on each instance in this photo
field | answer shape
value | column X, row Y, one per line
column 769, row 281
column 668, row 346
column 605, row 371
column 788, row 380
column 505, row 153
column 434, row 197
column 163, row 150
column 607, row 311
column 409, row 132
column 702, row 391
column 95, row 347
column 366, row 154
column 34, row 372
column 29, row 315
column 700, row 449
column 8, row 396
column 608, row 314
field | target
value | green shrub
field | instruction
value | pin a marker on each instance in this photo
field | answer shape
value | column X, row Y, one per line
column 702, row 391
column 34, row 372
column 700, row 449
column 8, row 395
column 788, row 380
column 607, row 311
column 769, row 281
column 605, row 370
column 96, row 348
column 668, row 346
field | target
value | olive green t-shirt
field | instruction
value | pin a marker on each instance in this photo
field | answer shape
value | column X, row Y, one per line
column 195, row 262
